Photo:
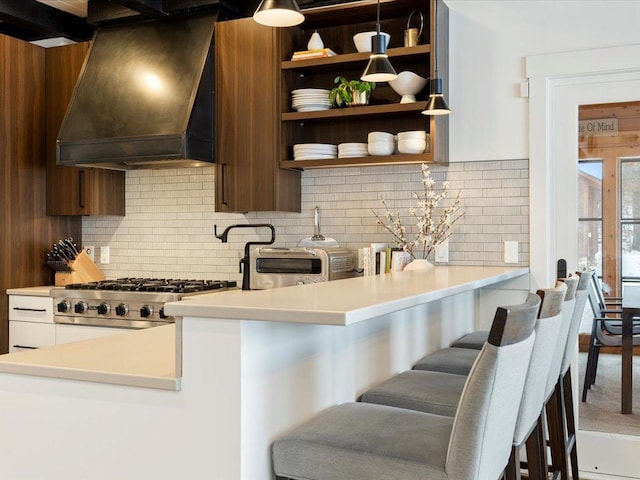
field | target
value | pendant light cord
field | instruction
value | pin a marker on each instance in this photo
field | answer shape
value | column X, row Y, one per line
column 378, row 19
column 435, row 35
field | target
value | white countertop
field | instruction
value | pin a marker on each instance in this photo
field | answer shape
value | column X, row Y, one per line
column 42, row 291
column 343, row 302
column 140, row 358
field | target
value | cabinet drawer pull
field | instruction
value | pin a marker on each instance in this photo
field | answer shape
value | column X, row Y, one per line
column 30, row 309
column 224, row 184
column 81, row 188
column 25, row 347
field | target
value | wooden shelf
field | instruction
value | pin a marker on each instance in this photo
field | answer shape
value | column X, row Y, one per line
column 354, row 12
column 398, row 159
column 348, row 112
column 347, row 60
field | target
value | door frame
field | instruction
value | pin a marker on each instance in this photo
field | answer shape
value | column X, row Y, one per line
column 558, row 84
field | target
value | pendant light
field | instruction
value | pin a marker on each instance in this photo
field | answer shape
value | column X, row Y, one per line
column 278, row 13
column 379, row 68
column 436, row 105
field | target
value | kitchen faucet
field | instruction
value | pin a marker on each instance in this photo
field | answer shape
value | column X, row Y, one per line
column 244, row 261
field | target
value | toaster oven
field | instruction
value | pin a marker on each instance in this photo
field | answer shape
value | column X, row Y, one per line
column 273, row 267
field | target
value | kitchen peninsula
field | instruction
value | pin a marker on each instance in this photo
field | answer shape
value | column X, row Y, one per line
column 253, row 365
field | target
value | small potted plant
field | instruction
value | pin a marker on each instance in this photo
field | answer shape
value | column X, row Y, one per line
column 350, row 92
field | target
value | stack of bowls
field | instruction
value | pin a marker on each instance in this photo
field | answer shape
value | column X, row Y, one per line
column 352, row 150
column 314, row 151
column 413, row 142
column 381, row 143
column 310, row 99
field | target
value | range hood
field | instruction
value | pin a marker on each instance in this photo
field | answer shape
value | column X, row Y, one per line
column 144, row 98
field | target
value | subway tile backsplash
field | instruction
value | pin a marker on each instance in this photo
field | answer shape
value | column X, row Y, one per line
column 168, row 228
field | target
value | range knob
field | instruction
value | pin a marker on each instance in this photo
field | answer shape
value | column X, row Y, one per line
column 146, row 311
column 80, row 307
column 122, row 309
column 64, row 306
column 103, row 308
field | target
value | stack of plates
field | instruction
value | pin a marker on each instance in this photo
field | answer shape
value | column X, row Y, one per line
column 310, row 99
column 314, row 151
column 352, row 150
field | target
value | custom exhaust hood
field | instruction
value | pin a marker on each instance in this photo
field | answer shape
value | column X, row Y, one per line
column 145, row 97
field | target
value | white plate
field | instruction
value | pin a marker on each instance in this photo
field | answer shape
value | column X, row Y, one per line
column 313, row 109
column 315, row 157
column 344, row 155
column 310, row 90
column 315, row 145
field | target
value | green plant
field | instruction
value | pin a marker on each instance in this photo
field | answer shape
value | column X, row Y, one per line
column 347, row 91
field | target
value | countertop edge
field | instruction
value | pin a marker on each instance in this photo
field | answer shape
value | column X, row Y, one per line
column 195, row 307
column 40, row 291
column 93, row 376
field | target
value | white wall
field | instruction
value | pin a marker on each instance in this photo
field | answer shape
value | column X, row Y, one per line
column 489, row 40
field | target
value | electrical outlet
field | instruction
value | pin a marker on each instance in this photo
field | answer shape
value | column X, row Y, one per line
column 90, row 251
column 510, row 252
column 442, row 252
column 104, row 255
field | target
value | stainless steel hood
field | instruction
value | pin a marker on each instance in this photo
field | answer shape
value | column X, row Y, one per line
column 144, row 98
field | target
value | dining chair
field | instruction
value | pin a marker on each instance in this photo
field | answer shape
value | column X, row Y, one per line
column 376, row 442
column 437, row 392
column 606, row 330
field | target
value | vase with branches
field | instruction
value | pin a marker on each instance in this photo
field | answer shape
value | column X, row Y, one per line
column 433, row 225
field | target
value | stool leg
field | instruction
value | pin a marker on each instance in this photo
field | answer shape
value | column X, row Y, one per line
column 567, row 397
column 536, row 453
column 512, row 472
column 557, row 433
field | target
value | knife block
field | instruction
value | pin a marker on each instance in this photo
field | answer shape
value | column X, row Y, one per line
column 83, row 270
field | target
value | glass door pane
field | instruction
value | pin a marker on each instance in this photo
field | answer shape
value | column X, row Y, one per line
column 630, row 219
column 590, row 214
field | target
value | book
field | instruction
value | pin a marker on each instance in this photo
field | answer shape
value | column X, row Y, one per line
column 376, row 259
column 318, row 53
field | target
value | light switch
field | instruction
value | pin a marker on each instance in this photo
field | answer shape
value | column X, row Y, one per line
column 104, row 255
column 510, row 252
column 442, row 252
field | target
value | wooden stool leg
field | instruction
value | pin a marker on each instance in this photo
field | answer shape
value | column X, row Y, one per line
column 567, row 402
column 512, row 472
column 536, row 453
column 557, row 433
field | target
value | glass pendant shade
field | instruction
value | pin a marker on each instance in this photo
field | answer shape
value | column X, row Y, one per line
column 436, row 105
column 379, row 68
column 278, row 13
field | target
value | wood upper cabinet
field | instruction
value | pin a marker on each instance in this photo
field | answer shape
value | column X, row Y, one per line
column 74, row 190
column 26, row 232
column 248, row 124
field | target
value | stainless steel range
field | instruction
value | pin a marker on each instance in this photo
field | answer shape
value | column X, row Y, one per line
column 126, row 302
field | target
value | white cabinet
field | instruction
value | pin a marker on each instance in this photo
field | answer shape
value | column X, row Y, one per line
column 28, row 335
column 30, row 322
column 31, row 325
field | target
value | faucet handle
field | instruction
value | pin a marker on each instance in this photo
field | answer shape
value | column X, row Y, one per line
column 240, row 265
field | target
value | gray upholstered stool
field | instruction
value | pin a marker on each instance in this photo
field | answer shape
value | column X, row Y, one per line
column 437, row 392
column 366, row 441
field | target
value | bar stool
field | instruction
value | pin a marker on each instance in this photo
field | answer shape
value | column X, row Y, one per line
column 437, row 392
column 366, row 441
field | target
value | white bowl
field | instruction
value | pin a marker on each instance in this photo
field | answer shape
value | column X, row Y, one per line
column 414, row 134
column 362, row 40
column 380, row 137
column 381, row 148
column 412, row 145
column 408, row 84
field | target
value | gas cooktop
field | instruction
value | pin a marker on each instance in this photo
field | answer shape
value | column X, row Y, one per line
column 127, row 302
column 129, row 284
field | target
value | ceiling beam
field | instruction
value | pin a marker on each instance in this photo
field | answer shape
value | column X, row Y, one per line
column 148, row 8
column 44, row 21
